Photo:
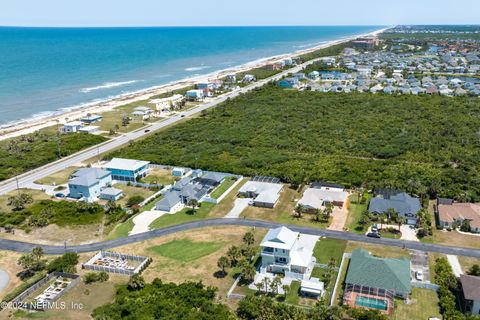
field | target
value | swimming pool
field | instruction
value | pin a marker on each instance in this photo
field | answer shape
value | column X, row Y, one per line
column 373, row 303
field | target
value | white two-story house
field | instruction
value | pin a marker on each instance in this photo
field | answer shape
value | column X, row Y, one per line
column 288, row 252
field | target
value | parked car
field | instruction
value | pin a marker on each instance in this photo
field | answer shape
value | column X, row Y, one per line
column 59, row 195
column 374, row 229
column 419, row 275
column 373, row 235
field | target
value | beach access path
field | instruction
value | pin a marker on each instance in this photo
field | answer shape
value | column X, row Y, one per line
column 28, row 178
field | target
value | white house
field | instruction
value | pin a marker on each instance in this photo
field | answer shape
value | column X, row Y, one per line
column 314, row 198
column 265, row 191
column 195, row 94
column 89, row 129
column 73, row 126
column 288, row 252
column 168, row 103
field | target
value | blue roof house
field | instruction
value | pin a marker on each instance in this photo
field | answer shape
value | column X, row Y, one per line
column 92, row 118
column 127, row 170
column 404, row 204
column 288, row 83
column 86, row 184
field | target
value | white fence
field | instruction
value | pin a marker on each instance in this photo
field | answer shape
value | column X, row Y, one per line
column 90, row 264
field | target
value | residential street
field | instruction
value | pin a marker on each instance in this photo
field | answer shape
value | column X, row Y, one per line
column 19, row 246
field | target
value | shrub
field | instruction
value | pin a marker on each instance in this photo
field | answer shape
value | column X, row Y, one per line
column 134, row 200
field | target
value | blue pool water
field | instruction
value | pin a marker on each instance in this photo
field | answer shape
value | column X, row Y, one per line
column 50, row 70
column 372, row 303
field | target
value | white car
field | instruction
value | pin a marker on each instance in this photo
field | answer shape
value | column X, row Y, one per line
column 419, row 275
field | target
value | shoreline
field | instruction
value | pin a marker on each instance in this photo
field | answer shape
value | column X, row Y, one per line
column 22, row 127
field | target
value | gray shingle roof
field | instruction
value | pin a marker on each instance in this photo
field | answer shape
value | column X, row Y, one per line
column 400, row 202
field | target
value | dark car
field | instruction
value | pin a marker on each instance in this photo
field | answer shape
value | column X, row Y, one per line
column 146, row 130
column 183, row 116
column 373, row 235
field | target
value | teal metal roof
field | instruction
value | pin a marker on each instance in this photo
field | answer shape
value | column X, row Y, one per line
column 382, row 273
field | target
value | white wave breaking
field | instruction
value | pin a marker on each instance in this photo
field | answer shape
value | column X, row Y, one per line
column 196, row 68
column 108, row 85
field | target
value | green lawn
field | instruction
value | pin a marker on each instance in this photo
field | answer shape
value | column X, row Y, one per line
column 328, row 248
column 183, row 216
column 355, row 211
column 385, row 234
column 293, row 294
column 423, row 306
column 219, row 190
column 121, row 230
column 185, row 250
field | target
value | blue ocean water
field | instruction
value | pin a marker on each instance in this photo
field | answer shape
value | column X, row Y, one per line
column 50, row 70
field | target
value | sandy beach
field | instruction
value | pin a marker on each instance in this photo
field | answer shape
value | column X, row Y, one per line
column 30, row 126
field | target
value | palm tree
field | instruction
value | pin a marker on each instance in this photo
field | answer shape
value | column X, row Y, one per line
column 259, row 286
column 248, row 272
column 299, row 209
column 223, row 263
column 276, row 282
column 266, row 283
column 328, row 210
column 249, row 238
column 286, row 289
column 193, row 203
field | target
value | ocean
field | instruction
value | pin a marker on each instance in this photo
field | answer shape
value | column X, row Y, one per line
column 45, row 71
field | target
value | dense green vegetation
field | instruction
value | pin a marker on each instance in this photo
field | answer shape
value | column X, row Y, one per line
column 424, row 144
column 160, row 300
column 447, row 292
column 266, row 308
column 34, row 150
column 62, row 213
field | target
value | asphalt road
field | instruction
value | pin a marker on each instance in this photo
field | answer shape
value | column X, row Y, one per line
column 25, row 179
column 19, row 246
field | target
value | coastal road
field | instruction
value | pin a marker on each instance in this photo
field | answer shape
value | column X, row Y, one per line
column 26, row 179
column 19, row 246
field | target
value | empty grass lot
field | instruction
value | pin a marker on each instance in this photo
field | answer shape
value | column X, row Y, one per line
column 424, row 304
column 355, row 211
column 219, row 190
column 185, row 250
column 161, row 176
column 121, row 230
column 59, row 177
column 183, row 216
column 328, row 248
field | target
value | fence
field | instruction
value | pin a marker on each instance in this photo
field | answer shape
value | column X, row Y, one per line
column 425, row 285
column 18, row 300
column 90, row 264
column 345, row 256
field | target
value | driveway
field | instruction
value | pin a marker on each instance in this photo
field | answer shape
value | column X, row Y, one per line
column 419, row 261
column 339, row 218
column 455, row 264
column 408, row 233
column 238, row 206
column 144, row 219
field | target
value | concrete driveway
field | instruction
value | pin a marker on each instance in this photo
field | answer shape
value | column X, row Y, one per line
column 4, row 279
column 144, row 219
column 455, row 264
column 339, row 218
column 419, row 261
column 238, row 206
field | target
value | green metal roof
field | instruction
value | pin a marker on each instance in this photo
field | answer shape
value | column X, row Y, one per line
column 382, row 273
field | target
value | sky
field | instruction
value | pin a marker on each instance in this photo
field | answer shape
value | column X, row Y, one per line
column 236, row 12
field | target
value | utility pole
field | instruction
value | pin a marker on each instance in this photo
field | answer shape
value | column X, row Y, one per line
column 18, row 186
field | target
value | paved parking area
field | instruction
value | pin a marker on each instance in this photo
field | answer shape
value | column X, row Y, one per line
column 419, row 260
